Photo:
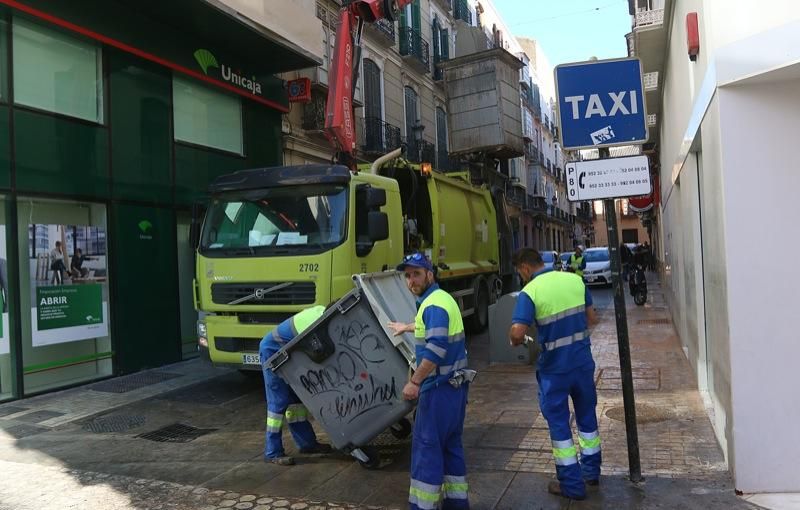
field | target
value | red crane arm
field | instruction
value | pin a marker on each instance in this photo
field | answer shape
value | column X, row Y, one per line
column 343, row 74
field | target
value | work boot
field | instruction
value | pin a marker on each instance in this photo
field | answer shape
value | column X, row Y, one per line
column 283, row 460
column 555, row 488
column 317, row 448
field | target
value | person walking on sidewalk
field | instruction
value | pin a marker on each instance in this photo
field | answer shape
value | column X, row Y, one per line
column 438, row 469
column 561, row 306
column 577, row 262
column 281, row 399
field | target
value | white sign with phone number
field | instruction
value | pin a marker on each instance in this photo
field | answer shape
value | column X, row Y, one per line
column 608, row 178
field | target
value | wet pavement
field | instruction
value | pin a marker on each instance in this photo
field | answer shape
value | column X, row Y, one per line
column 189, row 436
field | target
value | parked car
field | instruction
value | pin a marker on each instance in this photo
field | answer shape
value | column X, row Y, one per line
column 598, row 266
column 551, row 260
column 565, row 260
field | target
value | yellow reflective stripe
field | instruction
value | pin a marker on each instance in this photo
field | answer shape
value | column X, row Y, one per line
column 563, row 453
column 423, row 495
column 445, row 301
column 562, row 292
column 588, row 443
column 296, row 413
column 455, row 490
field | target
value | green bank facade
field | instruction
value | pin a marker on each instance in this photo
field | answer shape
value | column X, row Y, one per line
column 112, row 124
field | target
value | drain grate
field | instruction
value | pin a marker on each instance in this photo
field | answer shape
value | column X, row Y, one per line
column 132, row 382
column 24, row 430
column 175, row 433
column 39, row 416
column 115, row 423
column 654, row 321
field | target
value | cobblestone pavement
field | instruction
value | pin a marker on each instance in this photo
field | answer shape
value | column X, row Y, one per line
column 675, row 434
column 84, row 490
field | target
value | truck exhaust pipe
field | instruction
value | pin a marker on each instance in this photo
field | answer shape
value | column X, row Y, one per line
column 383, row 159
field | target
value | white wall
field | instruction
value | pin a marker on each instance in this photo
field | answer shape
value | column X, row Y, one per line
column 761, row 126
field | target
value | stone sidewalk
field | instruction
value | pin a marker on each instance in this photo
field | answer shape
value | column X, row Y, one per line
column 88, row 442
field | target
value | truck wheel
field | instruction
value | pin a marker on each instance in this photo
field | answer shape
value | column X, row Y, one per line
column 374, row 456
column 480, row 316
column 401, row 429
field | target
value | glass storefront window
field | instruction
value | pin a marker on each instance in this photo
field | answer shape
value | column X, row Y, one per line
column 206, row 117
column 64, row 293
column 56, row 72
column 6, row 362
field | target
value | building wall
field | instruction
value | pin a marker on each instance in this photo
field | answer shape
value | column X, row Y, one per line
column 624, row 222
column 730, row 314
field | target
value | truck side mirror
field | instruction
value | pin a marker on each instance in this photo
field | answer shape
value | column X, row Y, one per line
column 378, row 225
column 375, row 197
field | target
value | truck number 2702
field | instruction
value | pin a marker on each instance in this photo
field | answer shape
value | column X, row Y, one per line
column 309, row 268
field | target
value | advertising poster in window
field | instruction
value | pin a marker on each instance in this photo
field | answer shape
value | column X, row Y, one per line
column 4, row 336
column 68, row 283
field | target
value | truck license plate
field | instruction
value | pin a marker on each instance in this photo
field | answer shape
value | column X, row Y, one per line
column 251, row 359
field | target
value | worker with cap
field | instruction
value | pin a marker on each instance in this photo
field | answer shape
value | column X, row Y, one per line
column 577, row 262
column 282, row 402
column 561, row 307
column 438, row 469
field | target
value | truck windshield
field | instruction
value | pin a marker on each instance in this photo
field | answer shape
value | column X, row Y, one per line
column 275, row 221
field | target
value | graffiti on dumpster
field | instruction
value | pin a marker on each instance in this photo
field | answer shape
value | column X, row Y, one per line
column 350, row 374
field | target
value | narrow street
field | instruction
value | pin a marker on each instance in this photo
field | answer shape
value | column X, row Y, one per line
column 87, row 441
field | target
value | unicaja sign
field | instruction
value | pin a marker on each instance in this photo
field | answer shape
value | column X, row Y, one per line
column 206, row 60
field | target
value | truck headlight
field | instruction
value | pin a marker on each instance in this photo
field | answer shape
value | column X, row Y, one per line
column 202, row 334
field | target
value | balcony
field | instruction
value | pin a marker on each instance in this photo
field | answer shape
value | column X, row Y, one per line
column 531, row 153
column 516, row 195
column 535, row 205
column 652, row 119
column 415, row 49
column 314, row 114
column 444, row 163
column 447, row 4
column 461, row 11
column 650, row 81
column 379, row 137
column 384, row 31
column 425, row 152
column 649, row 19
column 629, row 40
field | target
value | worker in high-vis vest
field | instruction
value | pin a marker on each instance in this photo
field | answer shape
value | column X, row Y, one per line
column 577, row 262
column 561, row 307
column 282, row 402
column 438, row 469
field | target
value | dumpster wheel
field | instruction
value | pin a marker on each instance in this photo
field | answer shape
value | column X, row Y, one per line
column 372, row 455
column 401, row 429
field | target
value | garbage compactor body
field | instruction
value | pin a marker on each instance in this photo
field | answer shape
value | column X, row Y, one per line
column 347, row 372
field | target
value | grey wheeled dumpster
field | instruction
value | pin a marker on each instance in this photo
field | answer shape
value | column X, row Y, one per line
column 346, row 371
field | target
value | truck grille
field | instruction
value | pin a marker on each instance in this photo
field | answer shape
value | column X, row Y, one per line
column 298, row 293
column 233, row 344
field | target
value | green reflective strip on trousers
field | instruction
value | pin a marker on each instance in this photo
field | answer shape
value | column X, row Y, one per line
column 588, row 443
column 274, row 424
column 296, row 412
column 565, row 453
column 455, row 490
column 422, row 495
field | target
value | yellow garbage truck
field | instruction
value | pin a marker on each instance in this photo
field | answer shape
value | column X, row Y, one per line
column 275, row 241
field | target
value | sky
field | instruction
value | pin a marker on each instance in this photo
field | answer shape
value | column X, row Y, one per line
column 570, row 30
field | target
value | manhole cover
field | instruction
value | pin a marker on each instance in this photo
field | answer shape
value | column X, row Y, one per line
column 653, row 321
column 132, row 382
column 175, row 433
column 116, row 423
column 644, row 414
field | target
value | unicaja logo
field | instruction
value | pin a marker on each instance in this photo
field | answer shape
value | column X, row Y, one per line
column 145, row 227
column 205, row 59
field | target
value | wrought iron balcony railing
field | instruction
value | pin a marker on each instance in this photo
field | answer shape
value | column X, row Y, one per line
column 461, row 11
column 386, row 28
column 652, row 18
column 379, row 137
column 413, row 45
column 314, row 113
column 421, row 152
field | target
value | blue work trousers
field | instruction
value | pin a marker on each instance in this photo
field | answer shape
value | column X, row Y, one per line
column 554, row 390
column 283, row 405
column 438, row 470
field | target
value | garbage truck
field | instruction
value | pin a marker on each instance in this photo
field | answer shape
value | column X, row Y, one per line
column 275, row 241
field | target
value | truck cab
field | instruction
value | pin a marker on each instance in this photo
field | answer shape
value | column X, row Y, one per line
column 275, row 241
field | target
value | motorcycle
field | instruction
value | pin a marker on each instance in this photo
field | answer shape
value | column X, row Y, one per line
column 637, row 282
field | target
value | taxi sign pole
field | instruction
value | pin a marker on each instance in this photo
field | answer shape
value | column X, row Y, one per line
column 623, row 342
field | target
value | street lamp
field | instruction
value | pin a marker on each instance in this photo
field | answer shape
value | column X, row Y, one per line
column 416, row 131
